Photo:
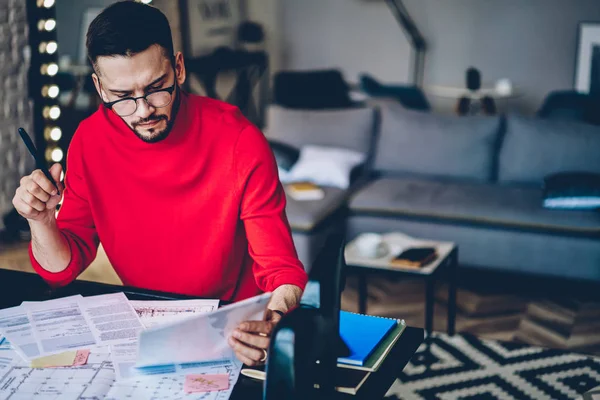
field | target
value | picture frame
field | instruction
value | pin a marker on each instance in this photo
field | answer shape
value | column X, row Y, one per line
column 209, row 24
column 587, row 64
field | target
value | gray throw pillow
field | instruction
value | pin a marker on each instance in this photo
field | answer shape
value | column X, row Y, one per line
column 534, row 148
column 436, row 145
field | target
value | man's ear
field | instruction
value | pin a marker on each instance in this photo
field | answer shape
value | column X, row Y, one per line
column 180, row 73
column 97, row 85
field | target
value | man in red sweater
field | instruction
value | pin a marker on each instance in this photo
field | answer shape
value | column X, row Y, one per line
column 181, row 190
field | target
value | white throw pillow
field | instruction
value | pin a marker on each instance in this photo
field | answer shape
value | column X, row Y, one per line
column 324, row 166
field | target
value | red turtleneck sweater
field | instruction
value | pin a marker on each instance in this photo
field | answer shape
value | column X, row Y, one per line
column 200, row 213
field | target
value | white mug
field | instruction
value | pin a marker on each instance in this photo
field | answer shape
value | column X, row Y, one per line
column 371, row 245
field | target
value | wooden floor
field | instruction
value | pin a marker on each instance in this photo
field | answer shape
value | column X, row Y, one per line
column 562, row 323
column 565, row 323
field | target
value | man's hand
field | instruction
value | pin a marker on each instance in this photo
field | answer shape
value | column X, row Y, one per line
column 36, row 197
column 250, row 341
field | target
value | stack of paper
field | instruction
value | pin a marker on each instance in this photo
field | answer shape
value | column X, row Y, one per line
column 94, row 342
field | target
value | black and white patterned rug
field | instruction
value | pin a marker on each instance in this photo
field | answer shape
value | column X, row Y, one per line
column 464, row 367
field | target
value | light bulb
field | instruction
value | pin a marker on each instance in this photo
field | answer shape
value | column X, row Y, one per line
column 54, row 112
column 49, row 25
column 53, row 91
column 55, row 134
column 42, row 47
column 57, row 154
column 51, row 47
column 48, row 3
column 146, row 1
column 52, row 69
column 52, row 133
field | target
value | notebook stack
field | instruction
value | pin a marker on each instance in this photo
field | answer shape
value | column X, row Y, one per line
column 370, row 340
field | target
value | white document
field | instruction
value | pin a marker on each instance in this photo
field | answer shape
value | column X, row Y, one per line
column 111, row 317
column 8, row 355
column 171, row 386
column 201, row 338
column 16, row 327
column 59, row 325
column 96, row 380
column 160, row 312
column 86, row 382
column 123, row 357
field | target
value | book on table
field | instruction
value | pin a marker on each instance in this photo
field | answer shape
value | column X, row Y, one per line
column 369, row 338
column 305, row 191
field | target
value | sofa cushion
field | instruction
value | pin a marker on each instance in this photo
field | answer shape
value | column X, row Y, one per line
column 441, row 145
column 307, row 215
column 351, row 128
column 471, row 203
column 534, row 148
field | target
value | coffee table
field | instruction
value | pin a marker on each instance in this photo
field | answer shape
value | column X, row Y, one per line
column 446, row 262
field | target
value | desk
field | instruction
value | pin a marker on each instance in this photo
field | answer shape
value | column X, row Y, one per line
column 16, row 287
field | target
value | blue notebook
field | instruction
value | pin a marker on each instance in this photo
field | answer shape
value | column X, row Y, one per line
column 362, row 334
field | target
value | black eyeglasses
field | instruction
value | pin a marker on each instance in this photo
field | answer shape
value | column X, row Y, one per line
column 156, row 99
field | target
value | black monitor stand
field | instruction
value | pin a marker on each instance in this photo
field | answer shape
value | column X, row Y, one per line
column 306, row 343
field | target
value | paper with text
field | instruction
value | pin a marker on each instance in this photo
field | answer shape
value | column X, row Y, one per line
column 59, row 325
column 199, row 338
column 160, row 312
column 8, row 355
column 111, row 317
column 16, row 327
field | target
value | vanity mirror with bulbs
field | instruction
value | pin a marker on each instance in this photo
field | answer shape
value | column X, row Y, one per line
column 44, row 87
column 60, row 83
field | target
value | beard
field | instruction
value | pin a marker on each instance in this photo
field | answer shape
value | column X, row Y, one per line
column 154, row 135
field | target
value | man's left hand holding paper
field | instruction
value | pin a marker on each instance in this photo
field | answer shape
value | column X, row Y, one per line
column 250, row 341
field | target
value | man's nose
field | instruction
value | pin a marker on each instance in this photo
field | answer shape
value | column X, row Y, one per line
column 144, row 110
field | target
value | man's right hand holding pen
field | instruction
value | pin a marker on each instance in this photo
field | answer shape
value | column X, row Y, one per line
column 36, row 199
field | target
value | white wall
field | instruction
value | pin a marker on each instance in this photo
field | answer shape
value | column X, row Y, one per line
column 531, row 42
column 353, row 35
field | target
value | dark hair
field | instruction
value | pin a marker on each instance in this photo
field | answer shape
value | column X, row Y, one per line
column 127, row 28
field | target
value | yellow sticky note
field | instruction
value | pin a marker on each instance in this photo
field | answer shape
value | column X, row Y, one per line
column 65, row 359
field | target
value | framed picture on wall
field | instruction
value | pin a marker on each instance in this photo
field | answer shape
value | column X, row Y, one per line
column 587, row 67
column 210, row 24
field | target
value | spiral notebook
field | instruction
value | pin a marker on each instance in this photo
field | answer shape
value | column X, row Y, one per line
column 362, row 334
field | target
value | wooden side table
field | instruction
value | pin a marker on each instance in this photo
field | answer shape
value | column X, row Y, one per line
column 446, row 262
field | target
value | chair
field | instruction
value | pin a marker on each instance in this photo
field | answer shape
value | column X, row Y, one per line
column 305, row 344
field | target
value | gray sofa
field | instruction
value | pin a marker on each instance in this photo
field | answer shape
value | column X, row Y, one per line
column 476, row 181
column 313, row 221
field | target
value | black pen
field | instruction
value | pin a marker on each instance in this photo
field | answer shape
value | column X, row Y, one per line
column 39, row 163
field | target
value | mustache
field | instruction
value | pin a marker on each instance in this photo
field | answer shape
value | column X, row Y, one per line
column 151, row 118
